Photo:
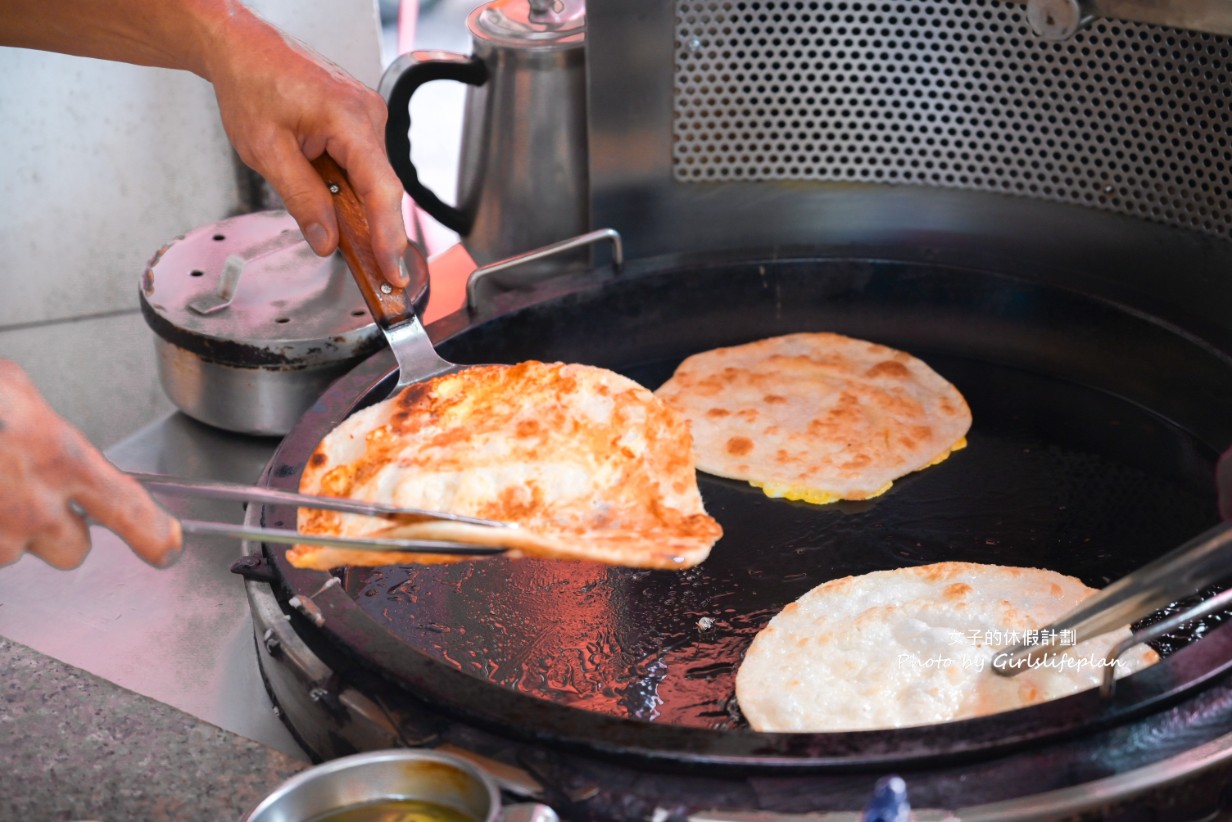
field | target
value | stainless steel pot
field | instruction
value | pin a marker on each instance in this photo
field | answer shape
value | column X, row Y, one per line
column 251, row 326
column 523, row 169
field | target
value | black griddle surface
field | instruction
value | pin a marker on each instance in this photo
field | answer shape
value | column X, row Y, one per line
column 1056, row 475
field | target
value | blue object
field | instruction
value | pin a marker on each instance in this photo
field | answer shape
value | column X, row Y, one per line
column 889, row 802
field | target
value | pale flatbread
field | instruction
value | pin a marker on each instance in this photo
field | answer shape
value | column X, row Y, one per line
column 914, row 646
column 589, row 465
column 817, row 416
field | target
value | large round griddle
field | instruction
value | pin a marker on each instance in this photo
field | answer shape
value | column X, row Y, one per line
column 1096, row 427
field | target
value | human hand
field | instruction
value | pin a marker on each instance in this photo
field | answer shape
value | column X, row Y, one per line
column 282, row 106
column 49, row 472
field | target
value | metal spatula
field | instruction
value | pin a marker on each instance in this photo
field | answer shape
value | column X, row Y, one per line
column 391, row 307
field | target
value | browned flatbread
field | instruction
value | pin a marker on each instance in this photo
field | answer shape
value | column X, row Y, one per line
column 816, row 416
column 587, row 463
column 914, row 646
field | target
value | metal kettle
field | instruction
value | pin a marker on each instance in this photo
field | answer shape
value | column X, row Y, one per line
column 523, row 174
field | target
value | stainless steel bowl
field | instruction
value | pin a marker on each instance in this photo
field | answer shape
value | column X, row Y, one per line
column 363, row 779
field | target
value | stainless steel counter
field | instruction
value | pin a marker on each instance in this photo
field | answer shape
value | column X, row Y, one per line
column 182, row 636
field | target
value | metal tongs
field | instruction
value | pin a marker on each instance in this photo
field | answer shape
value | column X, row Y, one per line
column 1203, row 561
column 207, row 489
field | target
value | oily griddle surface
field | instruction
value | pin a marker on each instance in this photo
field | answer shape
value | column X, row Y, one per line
column 1055, row 476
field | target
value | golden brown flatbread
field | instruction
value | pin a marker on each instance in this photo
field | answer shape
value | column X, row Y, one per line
column 914, row 646
column 587, row 463
column 816, row 416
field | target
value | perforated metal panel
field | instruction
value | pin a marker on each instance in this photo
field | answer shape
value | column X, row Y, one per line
column 960, row 94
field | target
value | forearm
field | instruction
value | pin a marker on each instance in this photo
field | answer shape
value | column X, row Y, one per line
column 179, row 34
column 281, row 104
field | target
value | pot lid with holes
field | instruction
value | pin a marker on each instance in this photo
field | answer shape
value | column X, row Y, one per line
column 249, row 292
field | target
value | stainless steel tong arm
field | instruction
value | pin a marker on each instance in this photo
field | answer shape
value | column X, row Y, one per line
column 1201, row 562
column 208, row 489
column 286, row 537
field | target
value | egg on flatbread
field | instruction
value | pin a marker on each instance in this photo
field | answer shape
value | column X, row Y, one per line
column 817, row 417
column 586, row 463
column 914, row 646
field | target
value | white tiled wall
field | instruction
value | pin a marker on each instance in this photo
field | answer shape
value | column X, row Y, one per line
column 104, row 164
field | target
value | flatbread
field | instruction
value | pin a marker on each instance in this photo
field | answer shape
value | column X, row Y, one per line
column 816, row 416
column 914, row 646
column 589, row 464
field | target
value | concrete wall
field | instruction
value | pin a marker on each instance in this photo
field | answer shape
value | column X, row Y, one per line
column 104, row 164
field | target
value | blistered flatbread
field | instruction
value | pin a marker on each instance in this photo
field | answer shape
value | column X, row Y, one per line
column 914, row 646
column 816, row 416
column 587, row 463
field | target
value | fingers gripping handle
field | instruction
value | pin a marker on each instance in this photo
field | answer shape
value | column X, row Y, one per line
column 389, row 305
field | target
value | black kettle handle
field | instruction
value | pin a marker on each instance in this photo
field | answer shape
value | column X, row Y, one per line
column 404, row 76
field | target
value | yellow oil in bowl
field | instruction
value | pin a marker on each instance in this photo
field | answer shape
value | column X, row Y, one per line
column 396, row 810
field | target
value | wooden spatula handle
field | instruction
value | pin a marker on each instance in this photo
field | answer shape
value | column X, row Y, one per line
column 389, row 305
